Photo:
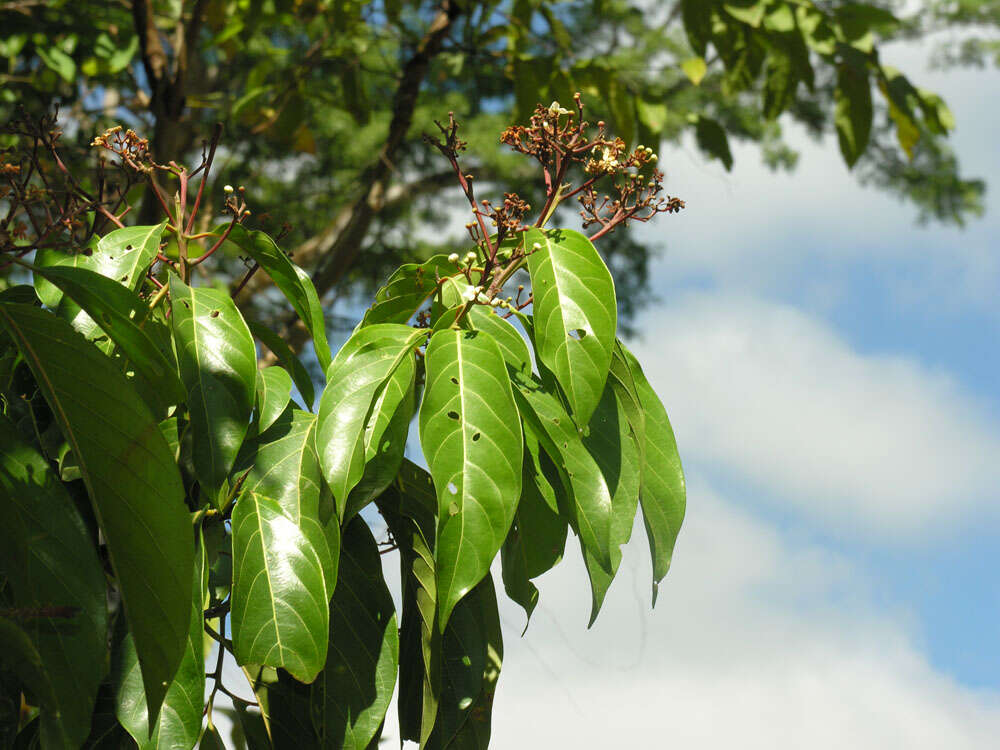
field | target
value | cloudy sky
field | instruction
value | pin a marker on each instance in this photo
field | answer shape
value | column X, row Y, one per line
column 830, row 368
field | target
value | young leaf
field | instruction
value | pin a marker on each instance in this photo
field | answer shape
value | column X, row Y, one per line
column 48, row 560
column 218, row 364
column 119, row 313
column 662, row 492
column 575, row 314
column 352, row 693
column 472, row 440
column 359, row 372
column 406, row 290
column 591, row 507
column 282, row 464
column 131, row 478
column 274, row 388
column 288, row 359
column 616, row 450
column 294, row 283
column 179, row 722
column 279, row 600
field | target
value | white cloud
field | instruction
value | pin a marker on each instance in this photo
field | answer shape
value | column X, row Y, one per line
column 765, row 394
column 757, row 643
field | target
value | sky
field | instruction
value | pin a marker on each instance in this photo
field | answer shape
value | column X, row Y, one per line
column 830, row 369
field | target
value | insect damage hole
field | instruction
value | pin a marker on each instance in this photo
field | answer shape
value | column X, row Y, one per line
column 476, row 436
column 453, row 415
column 452, row 488
column 577, row 333
column 214, row 313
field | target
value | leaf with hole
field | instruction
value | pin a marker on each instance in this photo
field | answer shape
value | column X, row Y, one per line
column 218, row 365
column 471, row 437
column 575, row 314
column 131, row 478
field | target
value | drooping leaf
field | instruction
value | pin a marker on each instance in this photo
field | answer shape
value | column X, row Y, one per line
column 279, row 600
column 288, row 359
column 512, row 345
column 274, row 388
column 575, row 314
column 853, row 114
column 406, row 290
column 616, row 451
column 472, row 440
column 281, row 464
column 712, row 139
column 132, row 481
column 591, row 506
column 218, row 365
column 293, row 282
column 119, row 313
column 49, row 561
column 471, row 656
column 179, row 722
column 662, row 493
column 352, row 693
column 358, row 374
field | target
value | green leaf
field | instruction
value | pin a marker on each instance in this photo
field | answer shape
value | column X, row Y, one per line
column 748, row 11
column 406, row 290
column 712, row 139
column 385, row 436
column 282, row 464
column 694, row 68
column 125, row 254
column 409, row 508
column 472, row 440
column 274, row 389
column 352, row 693
column 132, row 480
column 591, row 506
column 575, row 314
column 179, row 722
column 357, row 376
column 616, row 451
column 293, row 282
column 120, row 314
column 279, row 601
column 512, row 345
column 537, row 539
column 697, row 16
column 218, row 364
column 471, row 656
column 662, row 492
column 853, row 113
column 288, row 359
column 58, row 61
column 48, row 560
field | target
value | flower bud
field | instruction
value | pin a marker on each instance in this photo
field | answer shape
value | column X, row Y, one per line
column 227, row 189
column 453, row 258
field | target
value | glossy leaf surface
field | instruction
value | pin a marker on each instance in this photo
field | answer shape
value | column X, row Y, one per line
column 471, row 437
column 48, row 560
column 288, row 359
column 293, row 282
column 218, row 365
column 575, row 314
column 132, row 481
column 274, row 388
column 279, row 600
column 356, row 377
column 406, row 290
column 352, row 693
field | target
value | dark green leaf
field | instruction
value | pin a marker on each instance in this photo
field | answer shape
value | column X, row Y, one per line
column 274, row 388
column 591, row 504
column 179, row 722
column 279, row 601
column 294, row 283
column 121, row 315
column 472, row 440
column 49, row 561
column 697, row 15
column 218, row 364
column 662, row 492
column 352, row 693
column 132, row 481
column 853, row 116
column 358, row 374
column 288, row 359
column 575, row 314
column 712, row 139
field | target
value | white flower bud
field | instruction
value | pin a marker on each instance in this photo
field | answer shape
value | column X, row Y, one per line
column 227, row 189
column 453, row 258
